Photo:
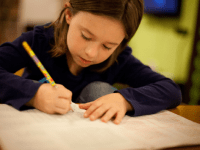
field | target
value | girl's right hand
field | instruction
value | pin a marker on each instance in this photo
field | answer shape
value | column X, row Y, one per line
column 51, row 99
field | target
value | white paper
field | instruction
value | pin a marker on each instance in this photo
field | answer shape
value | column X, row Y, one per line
column 35, row 130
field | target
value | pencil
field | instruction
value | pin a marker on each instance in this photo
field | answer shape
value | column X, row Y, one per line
column 38, row 63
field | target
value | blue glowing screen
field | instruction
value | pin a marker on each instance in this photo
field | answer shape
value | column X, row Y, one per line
column 162, row 6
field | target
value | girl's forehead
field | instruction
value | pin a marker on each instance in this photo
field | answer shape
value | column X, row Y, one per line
column 100, row 23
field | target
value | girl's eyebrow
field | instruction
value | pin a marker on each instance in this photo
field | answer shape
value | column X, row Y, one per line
column 94, row 35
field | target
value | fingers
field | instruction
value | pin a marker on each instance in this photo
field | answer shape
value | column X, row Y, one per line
column 119, row 117
column 97, row 113
column 63, row 92
column 62, row 103
column 85, row 106
column 91, row 109
column 62, row 106
column 51, row 99
column 104, row 111
column 108, row 115
column 57, row 100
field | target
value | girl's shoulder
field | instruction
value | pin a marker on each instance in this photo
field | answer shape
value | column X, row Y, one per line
column 126, row 56
column 127, row 60
column 44, row 31
column 126, row 52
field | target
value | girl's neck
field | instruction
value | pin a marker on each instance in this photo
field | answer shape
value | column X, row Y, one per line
column 73, row 67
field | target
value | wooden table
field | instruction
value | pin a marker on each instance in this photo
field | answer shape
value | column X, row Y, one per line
column 191, row 112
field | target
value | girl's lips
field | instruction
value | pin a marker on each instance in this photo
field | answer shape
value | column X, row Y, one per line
column 85, row 61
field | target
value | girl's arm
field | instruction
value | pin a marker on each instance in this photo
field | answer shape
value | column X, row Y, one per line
column 15, row 90
column 18, row 91
column 149, row 92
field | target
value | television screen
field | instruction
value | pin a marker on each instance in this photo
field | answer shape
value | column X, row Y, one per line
column 162, row 7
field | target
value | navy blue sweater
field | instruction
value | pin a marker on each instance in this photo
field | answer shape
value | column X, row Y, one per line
column 149, row 92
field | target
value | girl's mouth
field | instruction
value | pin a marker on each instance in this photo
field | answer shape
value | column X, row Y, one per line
column 85, row 61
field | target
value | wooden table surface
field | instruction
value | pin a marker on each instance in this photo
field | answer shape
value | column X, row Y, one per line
column 191, row 112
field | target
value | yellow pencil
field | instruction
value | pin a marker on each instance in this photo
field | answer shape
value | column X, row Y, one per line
column 38, row 63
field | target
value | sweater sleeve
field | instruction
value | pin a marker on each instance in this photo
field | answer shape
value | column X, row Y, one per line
column 15, row 90
column 149, row 92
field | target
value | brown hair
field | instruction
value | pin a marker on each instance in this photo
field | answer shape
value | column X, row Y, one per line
column 129, row 12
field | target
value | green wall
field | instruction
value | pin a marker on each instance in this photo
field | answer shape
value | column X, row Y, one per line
column 157, row 44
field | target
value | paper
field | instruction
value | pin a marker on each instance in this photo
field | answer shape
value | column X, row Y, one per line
column 35, row 130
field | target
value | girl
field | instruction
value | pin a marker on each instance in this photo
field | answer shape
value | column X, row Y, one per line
column 85, row 51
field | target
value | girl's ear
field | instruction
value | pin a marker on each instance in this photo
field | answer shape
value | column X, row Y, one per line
column 68, row 14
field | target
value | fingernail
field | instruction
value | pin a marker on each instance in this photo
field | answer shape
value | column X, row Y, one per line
column 117, row 122
column 92, row 117
column 103, row 120
column 85, row 115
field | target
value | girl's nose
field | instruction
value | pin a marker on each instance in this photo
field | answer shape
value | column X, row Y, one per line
column 92, row 50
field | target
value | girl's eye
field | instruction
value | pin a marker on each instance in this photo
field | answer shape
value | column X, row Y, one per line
column 106, row 47
column 88, row 39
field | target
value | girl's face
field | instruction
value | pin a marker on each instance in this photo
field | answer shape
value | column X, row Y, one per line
column 91, row 39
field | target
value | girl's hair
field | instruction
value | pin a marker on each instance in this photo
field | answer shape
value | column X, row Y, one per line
column 128, row 12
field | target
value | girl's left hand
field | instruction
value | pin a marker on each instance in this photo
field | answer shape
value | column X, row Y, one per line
column 106, row 107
